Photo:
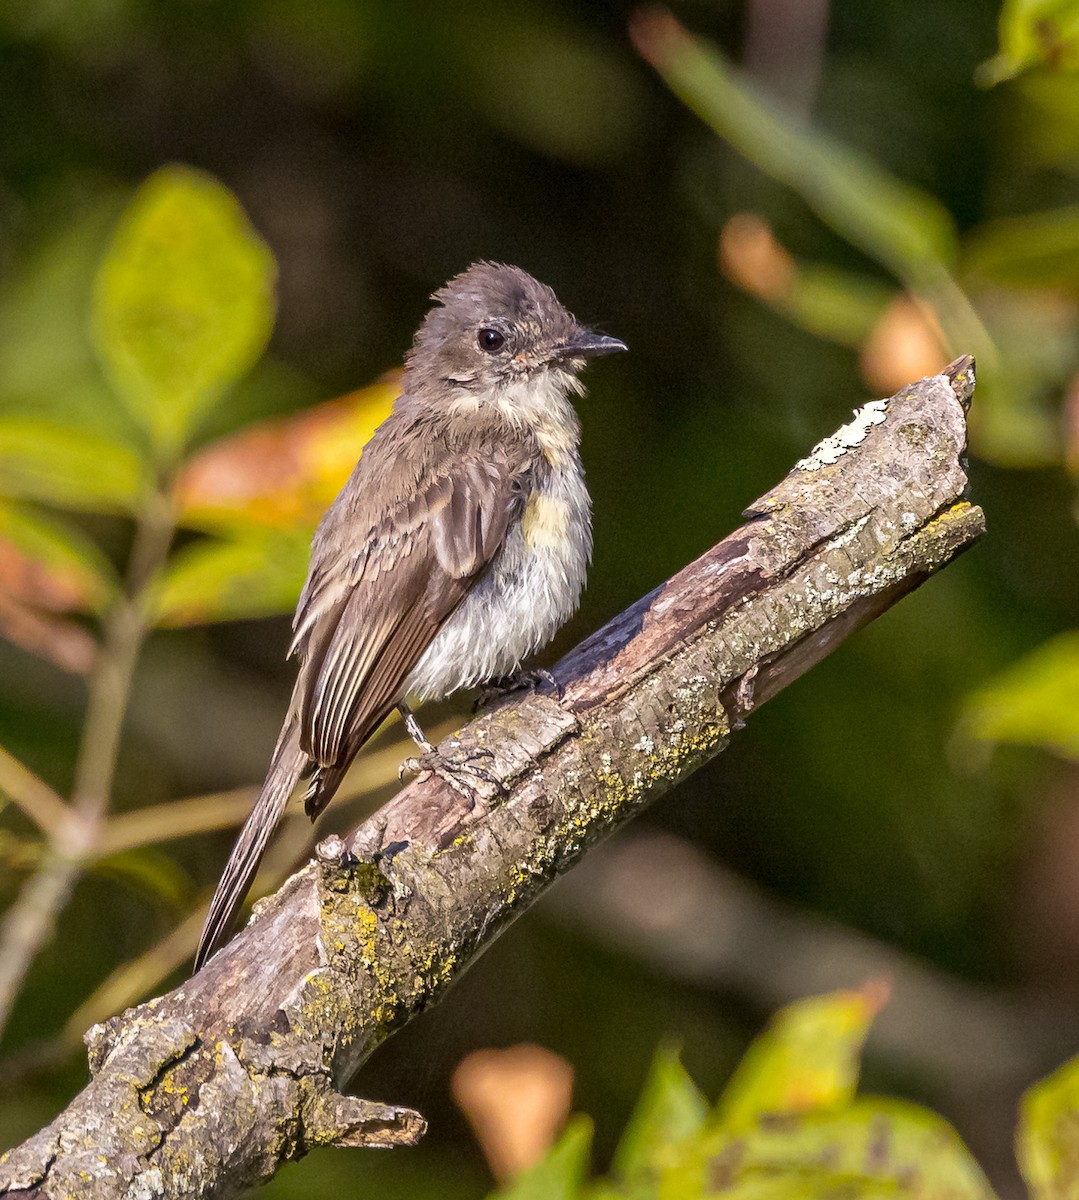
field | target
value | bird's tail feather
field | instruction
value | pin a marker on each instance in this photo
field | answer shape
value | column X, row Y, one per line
column 286, row 767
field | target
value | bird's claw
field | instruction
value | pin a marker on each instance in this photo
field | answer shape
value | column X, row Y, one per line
column 455, row 772
column 519, row 681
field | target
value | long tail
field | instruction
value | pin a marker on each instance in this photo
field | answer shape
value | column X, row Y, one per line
column 286, row 767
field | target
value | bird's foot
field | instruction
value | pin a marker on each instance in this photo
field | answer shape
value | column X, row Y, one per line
column 464, row 774
column 519, row 681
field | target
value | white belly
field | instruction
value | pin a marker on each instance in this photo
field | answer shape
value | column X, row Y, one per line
column 529, row 590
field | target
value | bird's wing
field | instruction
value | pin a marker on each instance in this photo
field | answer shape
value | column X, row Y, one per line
column 364, row 632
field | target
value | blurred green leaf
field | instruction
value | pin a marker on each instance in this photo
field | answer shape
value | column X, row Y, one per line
column 546, row 73
column 47, row 362
column 808, row 1058
column 1034, row 702
column 151, row 872
column 893, row 222
column 841, row 306
column 788, row 1124
column 1047, row 1142
column 258, row 573
column 72, row 563
column 873, row 1149
column 41, row 459
column 838, row 305
column 183, row 302
column 1016, row 422
column 1040, row 250
column 1046, row 113
column 562, row 1173
column 670, row 1108
column 1032, row 33
column 17, row 854
column 905, row 229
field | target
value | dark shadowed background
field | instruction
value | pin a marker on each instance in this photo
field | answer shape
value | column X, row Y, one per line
column 911, row 808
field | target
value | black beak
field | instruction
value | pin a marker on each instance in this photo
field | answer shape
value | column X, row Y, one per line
column 587, row 344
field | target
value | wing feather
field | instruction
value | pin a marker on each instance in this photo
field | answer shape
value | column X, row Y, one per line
column 359, row 643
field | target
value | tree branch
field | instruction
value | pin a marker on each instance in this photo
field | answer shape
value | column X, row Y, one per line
column 206, row 1090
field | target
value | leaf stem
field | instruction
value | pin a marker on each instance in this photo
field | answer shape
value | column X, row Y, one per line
column 30, row 921
column 32, row 795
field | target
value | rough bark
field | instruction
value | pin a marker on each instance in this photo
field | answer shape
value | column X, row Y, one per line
column 208, row 1089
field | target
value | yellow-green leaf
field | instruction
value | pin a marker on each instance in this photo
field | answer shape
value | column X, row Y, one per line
column 1034, row 702
column 808, row 1058
column 671, row 1107
column 1034, row 32
column 259, row 573
column 42, row 459
column 1047, row 1142
column 183, row 302
column 876, row 1148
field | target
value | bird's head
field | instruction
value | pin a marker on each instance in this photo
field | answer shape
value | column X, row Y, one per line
column 495, row 328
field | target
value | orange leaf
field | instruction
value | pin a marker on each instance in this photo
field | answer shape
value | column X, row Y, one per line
column 516, row 1100
column 64, row 643
column 283, row 472
column 55, row 587
column 906, row 343
column 751, row 257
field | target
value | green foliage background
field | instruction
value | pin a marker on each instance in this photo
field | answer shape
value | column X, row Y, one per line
column 919, row 787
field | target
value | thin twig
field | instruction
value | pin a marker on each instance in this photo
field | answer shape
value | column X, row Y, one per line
column 33, row 796
column 226, row 810
column 30, row 921
column 110, row 684
column 174, row 819
column 131, row 981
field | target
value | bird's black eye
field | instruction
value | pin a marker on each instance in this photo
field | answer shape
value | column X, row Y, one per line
column 491, row 340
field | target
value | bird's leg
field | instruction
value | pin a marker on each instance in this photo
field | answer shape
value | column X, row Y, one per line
column 520, row 680
column 453, row 772
column 412, row 727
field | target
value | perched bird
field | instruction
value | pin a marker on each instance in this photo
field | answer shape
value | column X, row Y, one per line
column 458, row 546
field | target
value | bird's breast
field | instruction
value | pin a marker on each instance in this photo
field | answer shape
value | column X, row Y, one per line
column 527, row 592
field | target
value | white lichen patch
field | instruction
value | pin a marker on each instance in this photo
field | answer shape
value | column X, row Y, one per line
column 645, row 745
column 849, row 534
column 832, row 449
column 149, row 1184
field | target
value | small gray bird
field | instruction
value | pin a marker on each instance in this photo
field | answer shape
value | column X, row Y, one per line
column 458, row 546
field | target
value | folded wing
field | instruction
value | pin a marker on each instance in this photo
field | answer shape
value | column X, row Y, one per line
column 369, row 614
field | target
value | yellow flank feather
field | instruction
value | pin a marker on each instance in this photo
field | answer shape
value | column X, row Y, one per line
column 545, row 522
column 555, row 443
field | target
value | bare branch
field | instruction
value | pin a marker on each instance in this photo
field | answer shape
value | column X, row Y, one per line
column 206, row 1090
